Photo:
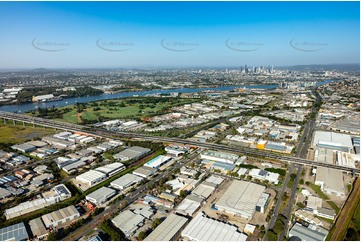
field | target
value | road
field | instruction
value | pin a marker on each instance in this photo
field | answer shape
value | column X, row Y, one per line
column 279, row 201
column 129, row 198
column 302, row 153
column 97, row 132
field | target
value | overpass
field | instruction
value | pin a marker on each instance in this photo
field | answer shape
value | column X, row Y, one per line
column 101, row 133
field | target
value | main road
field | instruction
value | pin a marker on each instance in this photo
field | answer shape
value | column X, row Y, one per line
column 101, row 133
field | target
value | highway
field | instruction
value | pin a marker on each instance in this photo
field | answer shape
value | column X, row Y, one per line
column 101, row 133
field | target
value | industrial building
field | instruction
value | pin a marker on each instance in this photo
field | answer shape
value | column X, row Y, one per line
column 223, row 166
column 310, row 233
column 240, row 199
column 16, row 232
column 333, row 141
column 145, row 171
column 126, row 181
column 91, row 177
column 111, row 169
column 74, row 166
column 128, row 222
column 158, row 161
column 38, row 228
column 262, row 203
column 57, row 194
column 189, row 205
column 132, row 153
column 204, row 190
column 331, row 181
column 43, row 98
column 202, row 228
column 169, row 229
column 215, row 180
column 101, row 195
column 264, row 175
column 4, row 193
column 313, row 202
column 60, row 216
column 25, row 148
column 219, row 156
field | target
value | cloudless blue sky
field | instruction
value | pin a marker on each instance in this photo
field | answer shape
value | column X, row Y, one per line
column 206, row 30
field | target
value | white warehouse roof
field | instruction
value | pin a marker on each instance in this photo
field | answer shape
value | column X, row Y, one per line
column 241, row 198
column 168, row 229
column 202, row 228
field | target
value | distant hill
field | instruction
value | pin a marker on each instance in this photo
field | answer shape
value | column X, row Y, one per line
column 322, row 67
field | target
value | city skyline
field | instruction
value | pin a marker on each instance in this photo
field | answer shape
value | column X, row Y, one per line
column 177, row 34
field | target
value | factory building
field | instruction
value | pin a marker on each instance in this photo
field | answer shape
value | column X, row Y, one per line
column 60, row 216
column 16, row 232
column 145, row 171
column 240, row 199
column 264, row 175
column 310, row 233
column 262, row 203
column 333, row 141
column 128, row 222
column 132, row 153
column 169, row 230
column 111, row 169
column 101, row 195
column 38, row 229
column 202, row 228
column 158, row 161
column 331, row 181
column 126, row 181
column 219, row 156
column 91, row 177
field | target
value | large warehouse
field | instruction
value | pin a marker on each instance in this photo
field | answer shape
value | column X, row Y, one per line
column 169, row 229
column 91, row 177
column 132, row 153
column 158, row 161
column 60, row 216
column 332, row 140
column 331, row 181
column 145, row 171
column 126, row 181
column 128, row 222
column 202, row 228
column 16, row 232
column 111, row 169
column 101, row 195
column 240, row 199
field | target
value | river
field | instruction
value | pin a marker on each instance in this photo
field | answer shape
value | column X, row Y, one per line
column 69, row 101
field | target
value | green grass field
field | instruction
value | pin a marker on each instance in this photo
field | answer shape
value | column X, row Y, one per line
column 118, row 109
column 17, row 133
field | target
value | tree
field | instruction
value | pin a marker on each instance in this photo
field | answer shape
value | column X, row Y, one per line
column 183, row 194
column 52, row 236
column 271, row 235
column 142, row 235
column 156, row 222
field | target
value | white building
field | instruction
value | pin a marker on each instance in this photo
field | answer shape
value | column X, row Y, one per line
column 126, row 181
column 240, row 199
column 91, row 177
column 101, row 195
column 111, row 169
column 331, row 181
column 264, row 175
column 202, row 228
column 219, row 156
column 60, row 216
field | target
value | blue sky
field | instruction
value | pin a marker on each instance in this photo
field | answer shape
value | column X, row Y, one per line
column 177, row 34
